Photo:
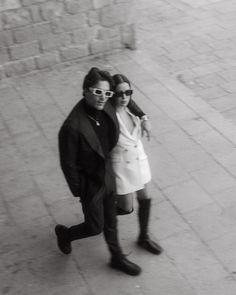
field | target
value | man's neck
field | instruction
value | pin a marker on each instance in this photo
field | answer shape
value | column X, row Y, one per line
column 91, row 110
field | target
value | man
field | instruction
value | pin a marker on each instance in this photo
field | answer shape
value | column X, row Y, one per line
column 86, row 137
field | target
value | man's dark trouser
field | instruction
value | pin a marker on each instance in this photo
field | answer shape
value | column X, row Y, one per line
column 99, row 215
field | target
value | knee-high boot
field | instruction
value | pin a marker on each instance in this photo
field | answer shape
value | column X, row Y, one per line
column 144, row 240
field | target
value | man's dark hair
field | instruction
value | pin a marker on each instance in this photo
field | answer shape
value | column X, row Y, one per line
column 94, row 76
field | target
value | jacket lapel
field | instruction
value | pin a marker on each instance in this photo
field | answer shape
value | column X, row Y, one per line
column 88, row 131
column 110, row 111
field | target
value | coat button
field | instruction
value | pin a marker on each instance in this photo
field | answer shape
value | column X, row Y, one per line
column 136, row 146
column 127, row 161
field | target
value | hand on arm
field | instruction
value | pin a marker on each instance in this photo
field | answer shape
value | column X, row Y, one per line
column 146, row 127
column 145, row 122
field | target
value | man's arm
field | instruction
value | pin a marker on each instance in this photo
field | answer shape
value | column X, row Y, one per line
column 145, row 123
column 69, row 152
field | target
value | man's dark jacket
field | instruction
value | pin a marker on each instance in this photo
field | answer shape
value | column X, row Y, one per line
column 81, row 156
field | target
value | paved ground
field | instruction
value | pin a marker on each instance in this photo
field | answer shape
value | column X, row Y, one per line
column 192, row 155
column 195, row 41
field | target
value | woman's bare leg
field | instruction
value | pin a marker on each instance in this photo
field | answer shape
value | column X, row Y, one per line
column 124, row 204
column 143, row 193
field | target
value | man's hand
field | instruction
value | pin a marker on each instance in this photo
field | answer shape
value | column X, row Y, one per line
column 146, row 128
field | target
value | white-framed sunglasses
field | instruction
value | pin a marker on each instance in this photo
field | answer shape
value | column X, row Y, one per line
column 99, row 92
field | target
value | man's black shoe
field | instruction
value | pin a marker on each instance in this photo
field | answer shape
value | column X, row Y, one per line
column 63, row 240
column 123, row 264
column 150, row 246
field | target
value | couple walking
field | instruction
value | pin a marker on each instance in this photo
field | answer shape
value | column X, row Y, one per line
column 104, row 163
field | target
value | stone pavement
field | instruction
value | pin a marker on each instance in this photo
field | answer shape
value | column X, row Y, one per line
column 195, row 41
column 192, row 156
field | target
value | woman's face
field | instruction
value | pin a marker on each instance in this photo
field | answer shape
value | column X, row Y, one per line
column 97, row 96
column 122, row 99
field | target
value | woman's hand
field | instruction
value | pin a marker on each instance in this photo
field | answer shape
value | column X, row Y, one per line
column 146, row 127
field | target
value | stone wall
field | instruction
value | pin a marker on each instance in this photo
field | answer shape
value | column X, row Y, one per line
column 36, row 34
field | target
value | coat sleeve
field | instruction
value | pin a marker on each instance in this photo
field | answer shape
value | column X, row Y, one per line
column 135, row 109
column 69, row 146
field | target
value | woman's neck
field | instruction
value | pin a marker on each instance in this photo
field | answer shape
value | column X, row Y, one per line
column 121, row 109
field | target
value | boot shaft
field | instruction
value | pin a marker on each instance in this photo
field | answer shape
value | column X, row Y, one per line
column 143, row 216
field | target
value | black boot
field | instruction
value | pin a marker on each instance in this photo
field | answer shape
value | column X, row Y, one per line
column 63, row 239
column 120, row 262
column 144, row 240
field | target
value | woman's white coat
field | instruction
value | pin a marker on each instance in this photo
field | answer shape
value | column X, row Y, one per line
column 129, row 160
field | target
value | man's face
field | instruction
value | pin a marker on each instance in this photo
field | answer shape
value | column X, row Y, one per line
column 97, row 96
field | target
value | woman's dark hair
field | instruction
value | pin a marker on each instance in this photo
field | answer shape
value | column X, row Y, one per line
column 94, row 76
column 119, row 78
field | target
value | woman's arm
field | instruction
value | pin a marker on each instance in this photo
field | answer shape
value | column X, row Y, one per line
column 145, row 123
column 135, row 109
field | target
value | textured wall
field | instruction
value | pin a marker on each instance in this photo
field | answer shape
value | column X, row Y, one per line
column 35, row 34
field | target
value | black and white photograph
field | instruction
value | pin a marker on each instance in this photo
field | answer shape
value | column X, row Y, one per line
column 117, row 147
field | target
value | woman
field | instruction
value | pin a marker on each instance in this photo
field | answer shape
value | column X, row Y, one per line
column 130, row 163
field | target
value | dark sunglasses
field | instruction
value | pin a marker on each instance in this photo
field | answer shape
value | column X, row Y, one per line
column 122, row 93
